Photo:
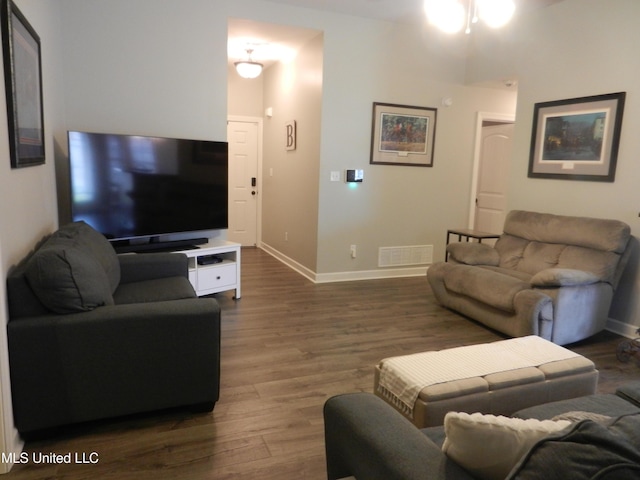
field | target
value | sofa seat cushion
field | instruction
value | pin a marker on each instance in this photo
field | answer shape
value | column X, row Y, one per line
column 155, row 290
column 588, row 450
column 473, row 282
column 67, row 279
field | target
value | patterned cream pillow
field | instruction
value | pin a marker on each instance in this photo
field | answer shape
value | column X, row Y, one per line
column 489, row 446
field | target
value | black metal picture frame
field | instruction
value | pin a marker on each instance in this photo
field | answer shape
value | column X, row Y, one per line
column 577, row 139
column 23, row 87
column 402, row 135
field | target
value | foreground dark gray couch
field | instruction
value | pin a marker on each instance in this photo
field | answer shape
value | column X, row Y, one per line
column 369, row 440
column 548, row 275
column 94, row 335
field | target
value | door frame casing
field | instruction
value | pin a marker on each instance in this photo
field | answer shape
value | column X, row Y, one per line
column 259, row 122
column 482, row 117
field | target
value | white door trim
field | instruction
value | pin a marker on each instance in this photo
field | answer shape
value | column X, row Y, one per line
column 480, row 119
column 259, row 121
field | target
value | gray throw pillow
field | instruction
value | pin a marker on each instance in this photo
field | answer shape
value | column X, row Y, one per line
column 66, row 279
column 95, row 244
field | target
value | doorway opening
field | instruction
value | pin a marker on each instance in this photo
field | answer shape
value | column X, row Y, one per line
column 491, row 167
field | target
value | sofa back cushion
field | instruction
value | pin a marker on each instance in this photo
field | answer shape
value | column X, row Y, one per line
column 533, row 242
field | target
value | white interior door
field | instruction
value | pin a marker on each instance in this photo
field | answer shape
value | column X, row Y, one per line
column 243, row 181
column 493, row 177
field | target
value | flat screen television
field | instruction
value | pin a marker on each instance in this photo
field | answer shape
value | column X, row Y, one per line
column 141, row 189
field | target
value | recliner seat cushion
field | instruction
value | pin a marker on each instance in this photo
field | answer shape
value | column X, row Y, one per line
column 473, row 282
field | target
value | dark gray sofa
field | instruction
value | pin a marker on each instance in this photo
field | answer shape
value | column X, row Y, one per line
column 95, row 335
column 367, row 439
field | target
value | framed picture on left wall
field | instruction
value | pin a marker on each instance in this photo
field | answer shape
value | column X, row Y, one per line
column 23, row 87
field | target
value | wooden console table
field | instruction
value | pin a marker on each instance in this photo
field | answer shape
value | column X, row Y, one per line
column 468, row 234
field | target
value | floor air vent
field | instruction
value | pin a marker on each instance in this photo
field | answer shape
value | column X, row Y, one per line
column 402, row 256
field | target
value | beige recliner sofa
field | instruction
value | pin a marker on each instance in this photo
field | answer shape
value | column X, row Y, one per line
column 547, row 275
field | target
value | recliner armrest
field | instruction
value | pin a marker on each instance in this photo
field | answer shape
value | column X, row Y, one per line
column 563, row 277
column 471, row 253
column 149, row 266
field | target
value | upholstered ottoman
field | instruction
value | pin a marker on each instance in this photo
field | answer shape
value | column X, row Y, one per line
column 498, row 378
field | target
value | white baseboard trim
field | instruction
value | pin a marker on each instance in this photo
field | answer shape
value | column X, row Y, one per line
column 624, row 329
column 290, row 262
column 371, row 274
column 343, row 276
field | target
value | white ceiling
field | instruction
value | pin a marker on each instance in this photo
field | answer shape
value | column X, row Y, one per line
column 285, row 39
column 270, row 42
column 392, row 10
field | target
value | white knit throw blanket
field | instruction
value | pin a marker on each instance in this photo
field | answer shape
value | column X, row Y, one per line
column 402, row 378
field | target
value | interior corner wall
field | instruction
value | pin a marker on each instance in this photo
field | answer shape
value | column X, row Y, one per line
column 572, row 49
column 290, row 176
column 28, row 207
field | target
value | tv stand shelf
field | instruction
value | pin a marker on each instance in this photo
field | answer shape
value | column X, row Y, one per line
column 223, row 274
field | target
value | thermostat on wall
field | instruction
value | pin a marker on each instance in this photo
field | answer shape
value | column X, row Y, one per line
column 355, row 176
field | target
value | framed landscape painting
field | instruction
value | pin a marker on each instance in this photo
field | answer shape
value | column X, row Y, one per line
column 23, row 87
column 577, row 139
column 402, row 135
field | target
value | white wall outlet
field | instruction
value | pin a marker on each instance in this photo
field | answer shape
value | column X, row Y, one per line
column 286, row 236
column 335, row 176
column 352, row 250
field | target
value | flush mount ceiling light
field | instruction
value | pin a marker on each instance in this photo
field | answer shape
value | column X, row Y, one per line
column 451, row 16
column 248, row 68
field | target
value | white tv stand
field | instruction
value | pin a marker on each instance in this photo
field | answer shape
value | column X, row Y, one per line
column 208, row 278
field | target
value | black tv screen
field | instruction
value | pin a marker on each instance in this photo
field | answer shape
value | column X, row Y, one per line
column 128, row 186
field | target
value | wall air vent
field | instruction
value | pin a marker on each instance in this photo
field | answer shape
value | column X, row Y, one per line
column 404, row 256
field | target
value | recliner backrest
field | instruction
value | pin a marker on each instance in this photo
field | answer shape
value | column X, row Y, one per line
column 536, row 241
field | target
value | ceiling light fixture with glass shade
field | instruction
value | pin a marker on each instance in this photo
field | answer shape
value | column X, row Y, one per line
column 248, row 68
column 451, row 16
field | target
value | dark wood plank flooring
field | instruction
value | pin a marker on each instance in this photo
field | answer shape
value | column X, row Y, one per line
column 287, row 346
